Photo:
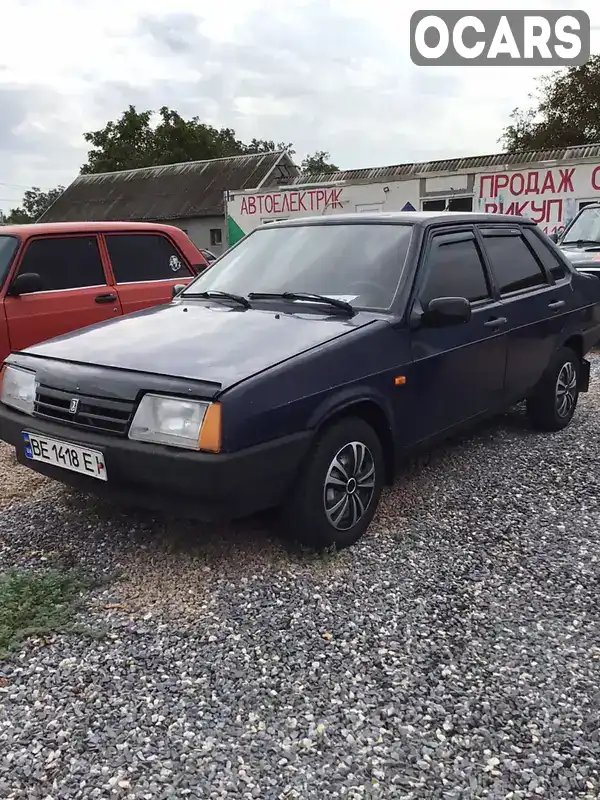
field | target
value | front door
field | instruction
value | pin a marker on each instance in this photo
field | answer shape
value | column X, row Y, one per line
column 75, row 292
column 145, row 266
column 459, row 368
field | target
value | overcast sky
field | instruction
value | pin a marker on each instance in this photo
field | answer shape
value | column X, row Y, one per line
column 324, row 74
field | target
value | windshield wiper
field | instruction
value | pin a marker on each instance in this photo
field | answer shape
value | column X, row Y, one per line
column 214, row 294
column 582, row 242
column 342, row 305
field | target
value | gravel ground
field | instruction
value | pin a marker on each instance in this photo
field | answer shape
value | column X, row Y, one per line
column 454, row 653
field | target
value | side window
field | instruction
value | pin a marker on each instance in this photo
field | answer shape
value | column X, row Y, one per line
column 454, row 269
column 65, row 262
column 514, row 264
column 548, row 258
column 144, row 257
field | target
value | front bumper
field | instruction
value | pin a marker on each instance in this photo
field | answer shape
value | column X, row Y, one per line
column 202, row 485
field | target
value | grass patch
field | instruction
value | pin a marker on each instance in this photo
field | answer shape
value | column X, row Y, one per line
column 38, row 603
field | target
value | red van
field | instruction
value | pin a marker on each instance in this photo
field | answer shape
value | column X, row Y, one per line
column 57, row 277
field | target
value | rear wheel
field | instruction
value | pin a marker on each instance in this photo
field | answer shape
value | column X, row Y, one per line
column 554, row 400
column 338, row 490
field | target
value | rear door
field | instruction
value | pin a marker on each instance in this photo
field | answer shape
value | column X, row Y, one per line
column 460, row 368
column 145, row 267
column 75, row 293
column 536, row 296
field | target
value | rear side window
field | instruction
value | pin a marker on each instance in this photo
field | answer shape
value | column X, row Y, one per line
column 454, row 269
column 64, row 262
column 144, row 257
column 548, row 258
column 515, row 267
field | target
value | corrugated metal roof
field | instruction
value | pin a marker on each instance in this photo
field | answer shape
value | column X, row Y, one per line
column 478, row 163
column 172, row 191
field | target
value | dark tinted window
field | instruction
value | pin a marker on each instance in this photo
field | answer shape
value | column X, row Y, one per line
column 449, row 204
column 454, row 269
column 144, row 257
column 514, row 264
column 548, row 258
column 360, row 263
column 8, row 245
column 64, row 262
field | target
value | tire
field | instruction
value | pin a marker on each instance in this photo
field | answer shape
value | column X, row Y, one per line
column 554, row 400
column 305, row 513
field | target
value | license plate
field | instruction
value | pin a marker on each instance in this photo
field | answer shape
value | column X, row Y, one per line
column 65, row 455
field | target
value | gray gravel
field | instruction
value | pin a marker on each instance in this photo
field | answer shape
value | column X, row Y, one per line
column 455, row 653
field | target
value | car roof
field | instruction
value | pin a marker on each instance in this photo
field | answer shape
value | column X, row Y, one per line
column 41, row 228
column 403, row 218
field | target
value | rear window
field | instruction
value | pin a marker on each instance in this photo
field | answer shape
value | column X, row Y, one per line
column 141, row 257
column 8, row 247
column 513, row 263
column 547, row 256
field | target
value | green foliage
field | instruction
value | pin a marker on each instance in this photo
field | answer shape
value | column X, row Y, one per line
column 318, row 163
column 564, row 112
column 133, row 141
column 38, row 603
column 35, row 202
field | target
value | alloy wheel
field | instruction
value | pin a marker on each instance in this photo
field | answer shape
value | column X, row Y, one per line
column 349, row 485
column 566, row 390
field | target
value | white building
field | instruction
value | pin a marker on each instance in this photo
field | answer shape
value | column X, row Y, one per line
column 548, row 186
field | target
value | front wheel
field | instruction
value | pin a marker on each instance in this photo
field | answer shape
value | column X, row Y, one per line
column 338, row 491
column 554, row 400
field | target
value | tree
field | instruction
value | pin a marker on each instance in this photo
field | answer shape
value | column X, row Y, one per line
column 133, row 141
column 318, row 163
column 564, row 112
column 267, row 146
column 35, row 202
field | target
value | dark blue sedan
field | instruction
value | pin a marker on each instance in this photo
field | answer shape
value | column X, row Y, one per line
column 302, row 367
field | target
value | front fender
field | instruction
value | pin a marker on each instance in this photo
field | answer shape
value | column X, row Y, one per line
column 343, row 399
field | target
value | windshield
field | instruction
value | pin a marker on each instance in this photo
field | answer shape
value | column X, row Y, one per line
column 586, row 228
column 8, row 245
column 360, row 263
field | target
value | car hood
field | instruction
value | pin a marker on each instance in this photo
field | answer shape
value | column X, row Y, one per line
column 585, row 257
column 200, row 340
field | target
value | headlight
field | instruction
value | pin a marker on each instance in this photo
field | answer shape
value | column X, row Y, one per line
column 18, row 389
column 193, row 424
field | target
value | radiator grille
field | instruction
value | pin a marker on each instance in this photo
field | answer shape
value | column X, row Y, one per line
column 83, row 411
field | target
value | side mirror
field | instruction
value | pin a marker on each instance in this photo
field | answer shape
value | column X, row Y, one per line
column 26, row 283
column 553, row 237
column 179, row 287
column 443, row 311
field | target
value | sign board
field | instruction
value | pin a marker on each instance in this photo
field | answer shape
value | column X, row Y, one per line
column 549, row 196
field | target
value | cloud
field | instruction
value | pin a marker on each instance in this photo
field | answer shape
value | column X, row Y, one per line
column 324, row 74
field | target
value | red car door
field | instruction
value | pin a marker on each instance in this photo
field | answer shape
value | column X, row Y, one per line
column 145, row 267
column 75, row 291
column 8, row 247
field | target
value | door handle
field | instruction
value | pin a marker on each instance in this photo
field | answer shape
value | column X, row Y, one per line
column 495, row 322
column 106, row 298
column 556, row 304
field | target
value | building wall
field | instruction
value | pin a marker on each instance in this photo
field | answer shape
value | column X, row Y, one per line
column 199, row 230
column 249, row 209
column 550, row 193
